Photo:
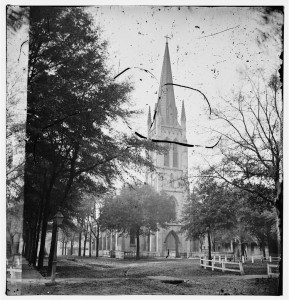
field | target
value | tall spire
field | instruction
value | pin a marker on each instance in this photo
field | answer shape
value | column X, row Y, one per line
column 167, row 105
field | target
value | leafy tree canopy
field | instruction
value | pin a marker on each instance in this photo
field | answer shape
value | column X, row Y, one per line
column 139, row 209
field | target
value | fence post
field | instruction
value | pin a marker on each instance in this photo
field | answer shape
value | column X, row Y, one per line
column 268, row 269
column 243, row 259
column 219, row 258
column 225, row 257
column 214, row 257
column 213, row 263
column 270, row 258
column 241, row 268
column 252, row 259
column 201, row 262
column 223, row 266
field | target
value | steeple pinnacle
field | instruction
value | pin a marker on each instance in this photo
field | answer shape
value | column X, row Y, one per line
column 149, row 118
column 166, row 92
column 183, row 116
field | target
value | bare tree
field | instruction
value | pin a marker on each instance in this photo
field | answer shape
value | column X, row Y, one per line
column 252, row 131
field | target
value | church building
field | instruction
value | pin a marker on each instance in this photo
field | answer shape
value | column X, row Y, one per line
column 170, row 176
column 172, row 167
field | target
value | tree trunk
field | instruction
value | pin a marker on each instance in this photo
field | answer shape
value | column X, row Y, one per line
column 263, row 249
column 34, row 255
column 65, row 248
column 210, row 246
column 28, row 243
column 71, row 245
column 79, row 244
column 33, row 243
column 90, row 241
column 97, row 242
column 149, row 241
column 85, row 240
column 39, row 222
column 242, row 248
column 42, row 242
column 137, row 244
column 62, row 247
column 52, row 246
column 45, row 221
column 279, row 211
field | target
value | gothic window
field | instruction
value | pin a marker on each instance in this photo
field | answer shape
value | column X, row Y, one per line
column 175, row 156
column 167, row 156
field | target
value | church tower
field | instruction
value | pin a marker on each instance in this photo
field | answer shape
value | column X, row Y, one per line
column 170, row 176
column 171, row 167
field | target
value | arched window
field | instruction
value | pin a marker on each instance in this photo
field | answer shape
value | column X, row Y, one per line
column 167, row 156
column 175, row 156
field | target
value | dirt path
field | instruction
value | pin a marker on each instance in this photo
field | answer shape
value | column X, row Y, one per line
column 116, row 277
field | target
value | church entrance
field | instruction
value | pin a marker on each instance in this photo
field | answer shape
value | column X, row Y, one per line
column 172, row 244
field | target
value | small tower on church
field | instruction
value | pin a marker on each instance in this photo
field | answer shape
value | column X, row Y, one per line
column 149, row 121
column 183, row 117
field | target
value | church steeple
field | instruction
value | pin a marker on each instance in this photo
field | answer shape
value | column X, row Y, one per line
column 167, row 105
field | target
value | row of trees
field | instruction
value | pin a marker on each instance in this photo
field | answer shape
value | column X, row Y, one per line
column 72, row 150
column 220, row 213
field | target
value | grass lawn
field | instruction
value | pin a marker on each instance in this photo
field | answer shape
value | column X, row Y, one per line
column 129, row 277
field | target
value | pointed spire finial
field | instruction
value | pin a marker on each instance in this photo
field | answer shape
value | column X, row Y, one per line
column 167, row 105
column 167, row 37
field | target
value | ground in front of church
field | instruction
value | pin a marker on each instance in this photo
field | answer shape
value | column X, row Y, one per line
column 108, row 276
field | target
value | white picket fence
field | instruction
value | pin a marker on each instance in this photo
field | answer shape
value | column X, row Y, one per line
column 225, row 257
column 253, row 258
column 256, row 257
column 215, row 264
column 274, row 259
column 269, row 270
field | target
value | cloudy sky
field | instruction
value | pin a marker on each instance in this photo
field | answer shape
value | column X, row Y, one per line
column 208, row 47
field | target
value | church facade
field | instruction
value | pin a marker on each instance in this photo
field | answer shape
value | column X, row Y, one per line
column 172, row 167
column 170, row 176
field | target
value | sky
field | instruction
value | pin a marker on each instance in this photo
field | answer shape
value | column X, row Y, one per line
column 209, row 46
